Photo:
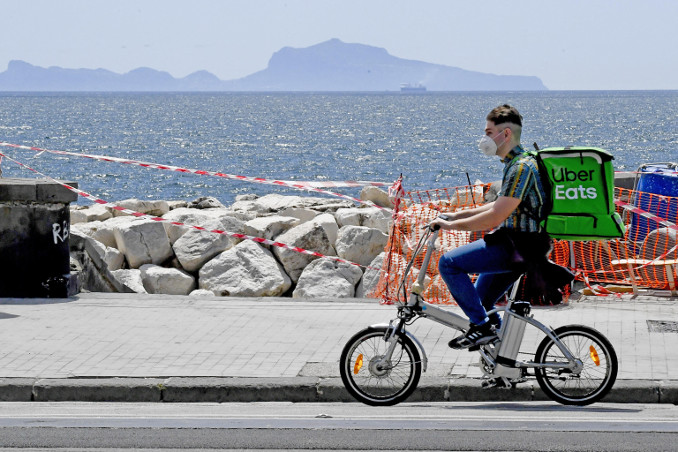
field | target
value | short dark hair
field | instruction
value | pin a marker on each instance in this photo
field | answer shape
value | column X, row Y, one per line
column 505, row 113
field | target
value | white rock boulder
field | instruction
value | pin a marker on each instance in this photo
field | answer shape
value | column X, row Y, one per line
column 194, row 217
column 301, row 213
column 246, row 270
column 274, row 203
column 196, row 247
column 157, row 208
column 371, row 277
column 352, row 216
column 169, row 281
column 102, row 231
column 327, row 278
column 377, row 196
column 113, row 258
column 131, row 278
column 77, row 215
column 309, row 236
column 205, row 202
column 143, row 242
column 96, row 212
column 372, row 217
column 199, row 217
column 176, row 204
column 377, row 218
column 201, row 293
column 360, row 244
column 270, row 227
column 89, row 228
column 329, row 224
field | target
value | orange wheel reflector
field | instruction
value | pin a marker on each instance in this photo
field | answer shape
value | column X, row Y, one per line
column 594, row 355
column 358, row 364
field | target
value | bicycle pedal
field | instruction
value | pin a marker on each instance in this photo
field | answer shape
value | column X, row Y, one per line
column 501, row 383
column 494, row 383
column 487, row 384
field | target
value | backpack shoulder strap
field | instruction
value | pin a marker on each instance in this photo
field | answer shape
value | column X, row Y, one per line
column 544, row 180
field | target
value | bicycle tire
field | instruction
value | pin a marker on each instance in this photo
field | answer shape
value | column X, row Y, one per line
column 370, row 384
column 597, row 376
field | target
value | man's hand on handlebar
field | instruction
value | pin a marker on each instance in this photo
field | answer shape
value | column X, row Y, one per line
column 442, row 222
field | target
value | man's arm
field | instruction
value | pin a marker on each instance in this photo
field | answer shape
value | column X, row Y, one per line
column 482, row 218
column 459, row 214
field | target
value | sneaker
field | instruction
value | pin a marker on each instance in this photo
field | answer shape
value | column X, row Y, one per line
column 476, row 335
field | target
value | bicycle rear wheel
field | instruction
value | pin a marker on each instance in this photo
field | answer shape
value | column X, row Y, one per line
column 373, row 380
column 599, row 370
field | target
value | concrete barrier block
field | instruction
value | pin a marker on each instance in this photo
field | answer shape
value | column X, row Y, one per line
column 430, row 389
column 16, row 190
column 98, row 390
column 16, row 389
column 235, row 389
column 48, row 191
column 471, row 389
column 38, row 190
column 668, row 391
column 333, row 390
column 633, row 391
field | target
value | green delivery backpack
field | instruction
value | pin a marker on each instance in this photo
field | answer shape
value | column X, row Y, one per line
column 579, row 183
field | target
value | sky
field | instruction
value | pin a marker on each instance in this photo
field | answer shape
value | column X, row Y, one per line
column 569, row 44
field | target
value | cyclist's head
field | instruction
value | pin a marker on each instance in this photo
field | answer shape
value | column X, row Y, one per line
column 506, row 116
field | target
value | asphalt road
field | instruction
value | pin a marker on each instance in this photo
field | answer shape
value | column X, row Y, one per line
column 274, row 426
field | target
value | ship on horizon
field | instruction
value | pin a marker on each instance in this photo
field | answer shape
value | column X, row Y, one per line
column 409, row 88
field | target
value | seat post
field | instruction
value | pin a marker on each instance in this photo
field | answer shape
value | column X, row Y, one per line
column 514, row 289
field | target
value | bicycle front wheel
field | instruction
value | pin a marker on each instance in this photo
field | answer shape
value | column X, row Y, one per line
column 598, row 372
column 370, row 377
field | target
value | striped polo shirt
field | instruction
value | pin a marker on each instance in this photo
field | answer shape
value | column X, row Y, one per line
column 521, row 180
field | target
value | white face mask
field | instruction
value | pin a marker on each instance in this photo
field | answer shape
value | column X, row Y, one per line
column 487, row 145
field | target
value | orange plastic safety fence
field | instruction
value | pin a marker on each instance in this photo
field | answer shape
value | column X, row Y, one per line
column 417, row 209
column 647, row 256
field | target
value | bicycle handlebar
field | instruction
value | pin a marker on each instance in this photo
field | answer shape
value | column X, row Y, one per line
column 436, row 227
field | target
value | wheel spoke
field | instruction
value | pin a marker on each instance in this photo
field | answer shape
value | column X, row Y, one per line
column 594, row 378
column 380, row 381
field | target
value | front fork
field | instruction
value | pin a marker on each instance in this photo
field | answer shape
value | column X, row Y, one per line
column 391, row 338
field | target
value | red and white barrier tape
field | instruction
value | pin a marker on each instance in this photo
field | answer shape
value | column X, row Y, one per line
column 300, row 185
column 176, row 223
column 396, row 193
column 598, row 290
column 646, row 214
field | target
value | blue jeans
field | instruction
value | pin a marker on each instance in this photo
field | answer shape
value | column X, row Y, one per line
column 496, row 275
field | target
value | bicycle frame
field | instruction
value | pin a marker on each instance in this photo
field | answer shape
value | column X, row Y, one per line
column 501, row 366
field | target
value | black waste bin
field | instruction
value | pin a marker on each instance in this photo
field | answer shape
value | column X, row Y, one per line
column 34, row 229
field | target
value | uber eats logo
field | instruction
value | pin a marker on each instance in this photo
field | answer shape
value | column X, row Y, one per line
column 569, row 191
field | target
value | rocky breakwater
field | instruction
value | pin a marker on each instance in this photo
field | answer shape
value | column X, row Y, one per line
column 114, row 252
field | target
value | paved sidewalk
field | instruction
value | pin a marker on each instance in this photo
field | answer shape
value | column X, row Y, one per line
column 168, row 348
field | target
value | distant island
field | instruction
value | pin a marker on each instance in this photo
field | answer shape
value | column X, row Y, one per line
column 329, row 66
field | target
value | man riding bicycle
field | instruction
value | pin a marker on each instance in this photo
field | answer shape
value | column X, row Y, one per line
column 503, row 255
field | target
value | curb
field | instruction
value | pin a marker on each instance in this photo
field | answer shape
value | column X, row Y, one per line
column 299, row 389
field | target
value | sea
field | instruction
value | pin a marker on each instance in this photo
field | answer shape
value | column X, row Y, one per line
column 430, row 138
